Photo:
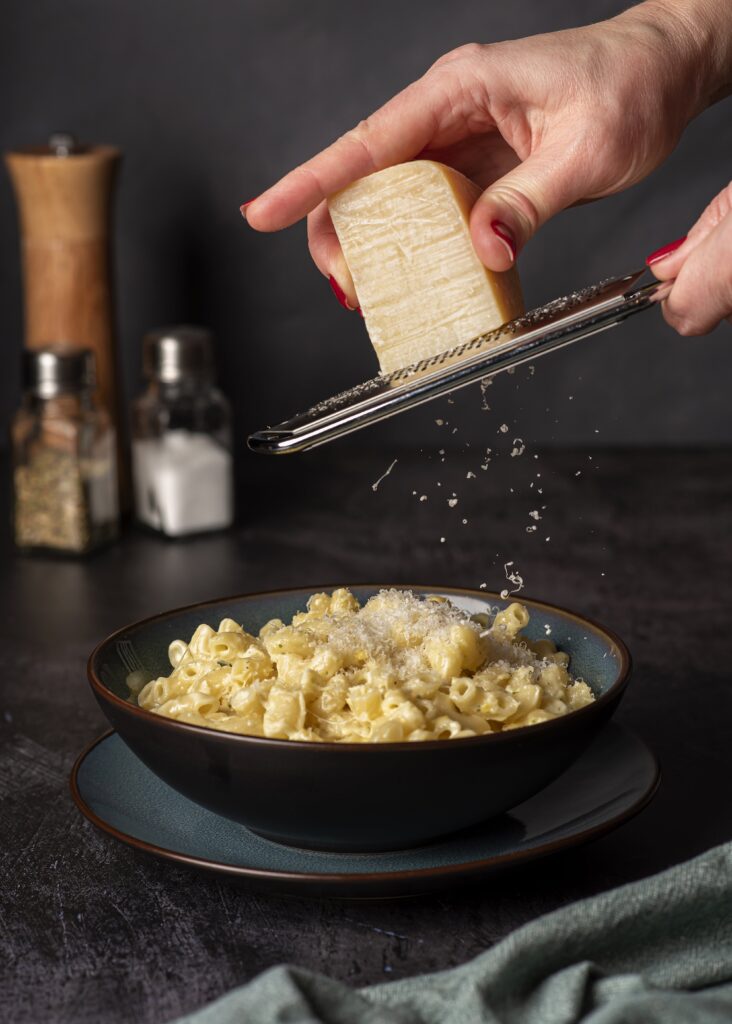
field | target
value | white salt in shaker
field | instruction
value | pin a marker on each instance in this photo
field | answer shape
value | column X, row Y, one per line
column 181, row 447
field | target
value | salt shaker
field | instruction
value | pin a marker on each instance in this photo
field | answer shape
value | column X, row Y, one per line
column 181, row 446
column 64, row 456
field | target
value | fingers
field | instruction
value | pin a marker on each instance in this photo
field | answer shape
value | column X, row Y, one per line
column 327, row 255
column 512, row 209
column 666, row 262
column 701, row 267
column 397, row 132
column 701, row 296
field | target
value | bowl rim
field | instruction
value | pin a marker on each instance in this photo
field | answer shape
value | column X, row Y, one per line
column 613, row 691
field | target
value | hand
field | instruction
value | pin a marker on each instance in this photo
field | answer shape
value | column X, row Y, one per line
column 539, row 123
column 701, row 267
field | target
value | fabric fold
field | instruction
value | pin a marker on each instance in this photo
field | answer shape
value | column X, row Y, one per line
column 656, row 950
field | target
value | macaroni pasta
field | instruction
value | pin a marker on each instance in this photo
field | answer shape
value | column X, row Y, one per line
column 398, row 668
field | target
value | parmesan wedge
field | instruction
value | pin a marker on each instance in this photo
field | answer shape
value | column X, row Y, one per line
column 405, row 236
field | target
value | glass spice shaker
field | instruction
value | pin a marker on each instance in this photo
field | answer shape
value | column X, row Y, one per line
column 64, row 456
column 181, row 445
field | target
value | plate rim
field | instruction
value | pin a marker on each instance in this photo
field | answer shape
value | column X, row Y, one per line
column 103, row 693
column 373, row 879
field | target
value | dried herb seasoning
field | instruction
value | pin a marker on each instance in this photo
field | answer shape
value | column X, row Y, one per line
column 65, row 474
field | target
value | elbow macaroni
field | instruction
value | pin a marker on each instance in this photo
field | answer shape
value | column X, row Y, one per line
column 398, row 668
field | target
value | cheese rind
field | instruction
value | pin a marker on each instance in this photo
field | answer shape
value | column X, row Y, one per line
column 405, row 235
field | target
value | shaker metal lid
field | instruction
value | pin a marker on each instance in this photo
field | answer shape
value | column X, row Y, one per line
column 174, row 353
column 58, row 369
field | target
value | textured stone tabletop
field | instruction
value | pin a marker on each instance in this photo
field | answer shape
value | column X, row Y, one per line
column 92, row 931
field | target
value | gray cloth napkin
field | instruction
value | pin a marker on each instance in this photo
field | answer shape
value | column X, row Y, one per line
column 658, row 950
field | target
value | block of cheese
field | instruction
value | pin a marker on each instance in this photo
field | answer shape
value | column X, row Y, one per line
column 405, row 236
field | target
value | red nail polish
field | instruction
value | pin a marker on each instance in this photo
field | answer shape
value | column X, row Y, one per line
column 340, row 294
column 243, row 207
column 504, row 233
column 665, row 251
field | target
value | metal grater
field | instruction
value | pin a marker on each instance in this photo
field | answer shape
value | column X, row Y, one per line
column 542, row 330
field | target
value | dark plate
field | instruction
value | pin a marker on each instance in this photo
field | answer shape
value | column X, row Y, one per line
column 613, row 779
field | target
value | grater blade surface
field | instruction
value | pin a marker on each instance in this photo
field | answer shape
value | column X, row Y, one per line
column 546, row 328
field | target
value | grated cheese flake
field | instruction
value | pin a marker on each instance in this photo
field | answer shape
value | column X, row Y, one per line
column 484, row 385
column 513, row 577
column 375, row 486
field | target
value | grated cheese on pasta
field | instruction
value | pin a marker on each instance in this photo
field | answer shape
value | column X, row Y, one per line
column 401, row 667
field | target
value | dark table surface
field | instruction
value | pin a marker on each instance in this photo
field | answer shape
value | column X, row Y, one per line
column 92, row 931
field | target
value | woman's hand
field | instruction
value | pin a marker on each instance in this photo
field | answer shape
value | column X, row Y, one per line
column 540, row 123
column 700, row 266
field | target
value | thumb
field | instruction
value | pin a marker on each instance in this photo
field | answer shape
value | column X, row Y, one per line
column 328, row 257
column 513, row 208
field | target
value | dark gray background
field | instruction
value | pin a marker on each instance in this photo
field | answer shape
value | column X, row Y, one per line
column 211, row 102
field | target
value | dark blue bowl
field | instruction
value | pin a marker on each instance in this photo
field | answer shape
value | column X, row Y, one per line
column 349, row 796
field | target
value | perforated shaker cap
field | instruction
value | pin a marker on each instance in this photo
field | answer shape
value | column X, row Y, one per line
column 176, row 353
column 58, row 369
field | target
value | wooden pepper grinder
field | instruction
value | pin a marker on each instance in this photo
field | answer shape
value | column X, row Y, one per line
column 64, row 194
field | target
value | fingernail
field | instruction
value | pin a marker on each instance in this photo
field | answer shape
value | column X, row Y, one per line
column 243, row 207
column 340, row 294
column 665, row 251
column 506, row 237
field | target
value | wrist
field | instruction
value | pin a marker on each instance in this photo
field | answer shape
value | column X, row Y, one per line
column 694, row 38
